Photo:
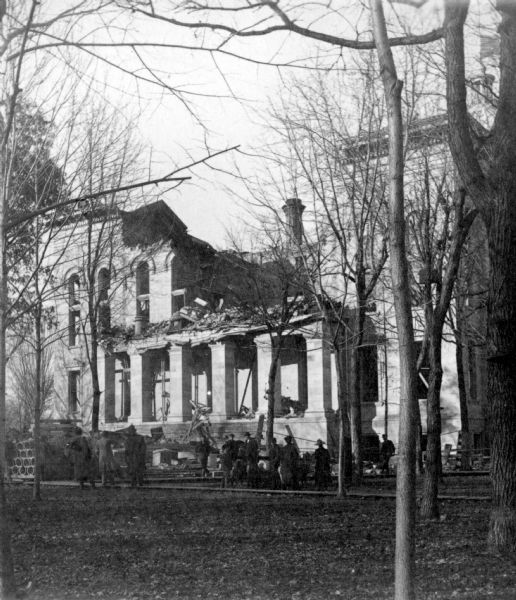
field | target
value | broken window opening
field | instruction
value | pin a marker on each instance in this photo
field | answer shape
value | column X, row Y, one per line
column 160, row 401
column 122, row 387
column 142, row 292
column 73, row 392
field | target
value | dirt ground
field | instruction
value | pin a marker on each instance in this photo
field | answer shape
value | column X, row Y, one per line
column 153, row 544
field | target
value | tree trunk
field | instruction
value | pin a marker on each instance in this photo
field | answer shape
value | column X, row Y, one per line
column 501, row 372
column 465, row 459
column 271, row 395
column 340, row 361
column 406, row 475
column 429, row 502
column 95, row 410
column 492, row 186
column 7, row 581
column 419, row 442
column 355, row 408
column 36, row 490
column 93, row 348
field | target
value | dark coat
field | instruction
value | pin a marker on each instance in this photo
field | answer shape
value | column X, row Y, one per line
column 289, row 466
column 322, row 467
column 252, row 451
column 275, row 456
column 83, row 460
column 135, row 450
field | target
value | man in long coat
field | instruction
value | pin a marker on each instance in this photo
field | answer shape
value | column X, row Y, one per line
column 274, row 464
column 107, row 464
column 252, row 451
column 322, row 466
column 135, row 450
column 83, row 460
column 289, row 466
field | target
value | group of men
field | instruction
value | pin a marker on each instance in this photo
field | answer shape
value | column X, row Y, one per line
column 94, row 456
column 241, row 462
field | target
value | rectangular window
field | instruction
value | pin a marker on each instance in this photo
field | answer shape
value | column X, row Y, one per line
column 178, row 300
column 73, row 391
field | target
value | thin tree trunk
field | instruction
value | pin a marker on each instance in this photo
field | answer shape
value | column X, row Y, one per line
column 7, row 581
column 271, row 393
column 429, row 502
column 36, row 490
column 406, row 475
column 355, row 408
column 419, row 442
column 93, row 304
column 465, row 458
column 95, row 411
column 340, row 360
column 386, row 382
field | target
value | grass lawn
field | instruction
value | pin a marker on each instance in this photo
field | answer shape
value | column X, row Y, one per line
column 123, row 543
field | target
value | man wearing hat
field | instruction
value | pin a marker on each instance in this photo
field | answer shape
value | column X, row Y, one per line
column 135, row 450
column 252, row 451
column 289, row 466
column 82, row 458
column 322, row 466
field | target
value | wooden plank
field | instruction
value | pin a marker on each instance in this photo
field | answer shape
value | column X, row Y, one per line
column 287, row 427
column 259, row 431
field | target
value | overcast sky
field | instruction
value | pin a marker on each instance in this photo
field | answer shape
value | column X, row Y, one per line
column 213, row 103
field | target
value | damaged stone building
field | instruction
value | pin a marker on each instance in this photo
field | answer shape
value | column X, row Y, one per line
column 176, row 330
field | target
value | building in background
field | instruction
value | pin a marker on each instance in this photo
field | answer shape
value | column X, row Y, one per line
column 177, row 333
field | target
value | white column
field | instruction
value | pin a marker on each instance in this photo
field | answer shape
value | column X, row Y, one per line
column 223, row 380
column 136, row 388
column 318, row 367
column 102, row 386
column 180, row 384
column 263, row 361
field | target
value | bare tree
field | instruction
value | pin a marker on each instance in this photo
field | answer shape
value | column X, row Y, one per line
column 22, row 367
column 485, row 166
column 272, row 291
column 439, row 222
column 107, row 159
column 334, row 153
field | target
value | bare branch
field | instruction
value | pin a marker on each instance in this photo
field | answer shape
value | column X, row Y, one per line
column 124, row 188
column 287, row 24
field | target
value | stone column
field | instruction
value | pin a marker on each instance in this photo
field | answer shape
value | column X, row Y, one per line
column 180, row 384
column 147, row 391
column 263, row 362
column 318, row 366
column 136, row 388
column 223, row 380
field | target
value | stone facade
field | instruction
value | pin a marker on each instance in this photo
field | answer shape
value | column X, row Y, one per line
column 156, row 361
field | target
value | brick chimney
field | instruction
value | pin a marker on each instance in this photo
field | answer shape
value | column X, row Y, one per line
column 293, row 209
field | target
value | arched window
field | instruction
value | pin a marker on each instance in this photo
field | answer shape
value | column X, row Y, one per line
column 142, row 292
column 104, row 311
column 74, row 309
